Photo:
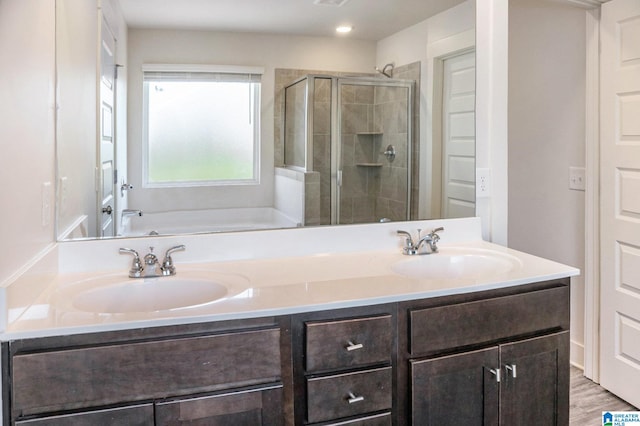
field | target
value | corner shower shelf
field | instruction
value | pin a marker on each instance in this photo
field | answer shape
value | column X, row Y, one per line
column 369, row 164
column 369, row 133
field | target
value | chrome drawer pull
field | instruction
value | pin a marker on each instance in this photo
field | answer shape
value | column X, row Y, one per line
column 353, row 399
column 353, row 346
column 511, row 368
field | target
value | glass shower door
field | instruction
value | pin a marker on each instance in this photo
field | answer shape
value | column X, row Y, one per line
column 374, row 153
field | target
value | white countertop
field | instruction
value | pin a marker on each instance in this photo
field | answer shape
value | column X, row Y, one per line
column 280, row 285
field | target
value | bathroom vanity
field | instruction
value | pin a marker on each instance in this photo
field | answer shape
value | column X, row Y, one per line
column 362, row 340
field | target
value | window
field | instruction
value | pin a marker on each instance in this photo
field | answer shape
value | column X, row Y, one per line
column 201, row 127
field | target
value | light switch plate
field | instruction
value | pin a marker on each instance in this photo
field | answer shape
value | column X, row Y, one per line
column 577, row 178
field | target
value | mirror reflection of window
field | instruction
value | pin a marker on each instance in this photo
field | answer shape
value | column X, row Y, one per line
column 200, row 128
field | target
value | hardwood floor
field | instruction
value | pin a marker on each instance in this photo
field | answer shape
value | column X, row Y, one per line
column 587, row 401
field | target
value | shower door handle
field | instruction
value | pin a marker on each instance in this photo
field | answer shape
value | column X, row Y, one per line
column 339, row 178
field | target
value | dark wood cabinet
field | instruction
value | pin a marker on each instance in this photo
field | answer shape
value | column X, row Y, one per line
column 139, row 415
column 457, row 389
column 255, row 407
column 535, row 385
column 520, row 384
column 494, row 357
column 500, row 360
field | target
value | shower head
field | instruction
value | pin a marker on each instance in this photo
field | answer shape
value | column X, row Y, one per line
column 384, row 71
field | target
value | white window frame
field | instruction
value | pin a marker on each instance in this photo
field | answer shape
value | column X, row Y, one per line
column 186, row 69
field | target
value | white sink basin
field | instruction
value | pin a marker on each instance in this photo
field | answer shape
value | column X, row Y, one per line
column 457, row 263
column 119, row 294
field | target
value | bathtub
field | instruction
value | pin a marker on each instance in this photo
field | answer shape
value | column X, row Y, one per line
column 198, row 221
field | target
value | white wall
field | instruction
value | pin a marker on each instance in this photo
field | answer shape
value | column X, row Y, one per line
column 546, row 136
column 413, row 44
column 27, row 85
column 76, row 57
column 206, row 47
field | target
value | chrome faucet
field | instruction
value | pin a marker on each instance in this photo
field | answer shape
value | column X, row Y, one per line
column 150, row 267
column 431, row 239
column 130, row 212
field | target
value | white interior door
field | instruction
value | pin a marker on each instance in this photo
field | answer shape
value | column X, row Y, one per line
column 458, row 136
column 620, row 199
column 106, row 160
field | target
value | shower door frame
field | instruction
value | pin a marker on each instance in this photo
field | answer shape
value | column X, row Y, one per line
column 336, row 129
column 336, row 135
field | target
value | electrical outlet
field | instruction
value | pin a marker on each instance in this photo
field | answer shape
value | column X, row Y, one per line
column 483, row 183
column 46, row 203
column 577, row 178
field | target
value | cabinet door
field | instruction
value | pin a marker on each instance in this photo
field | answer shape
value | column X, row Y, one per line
column 139, row 415
column 242, row 408
column 457, row 389
column 535, row 385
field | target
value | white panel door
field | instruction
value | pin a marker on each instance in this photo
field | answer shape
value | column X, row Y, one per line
column 107, row 178
column 458, row 133
column 620, row 199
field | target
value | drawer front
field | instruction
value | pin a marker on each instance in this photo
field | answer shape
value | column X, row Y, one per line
column 140, row 415
column 383, row 419
column 348, row 343
column 243, row 408
column 79, row 378
column 445, row 327
column 348, row 394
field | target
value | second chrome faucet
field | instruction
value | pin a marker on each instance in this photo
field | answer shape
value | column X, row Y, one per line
column 413, row 248
column 150, row 266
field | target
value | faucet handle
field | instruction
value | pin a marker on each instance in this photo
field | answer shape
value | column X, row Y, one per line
column 435, row 238
column 434, row 233
column 408, row 240
column 167, row 264
column 136, row 267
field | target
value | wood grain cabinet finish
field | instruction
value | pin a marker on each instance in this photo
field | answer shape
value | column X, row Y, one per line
column 348, row 343
column 256, row 407
column 457, row 389
column 383, row 419
column 139, row 415
column 538, row 392
column 104, row 375
column 436, row 329
column 349, row 394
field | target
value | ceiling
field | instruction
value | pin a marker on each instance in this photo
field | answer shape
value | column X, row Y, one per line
column 371, row 19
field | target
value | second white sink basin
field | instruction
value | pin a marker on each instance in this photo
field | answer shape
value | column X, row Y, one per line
column 116, row 294
column 457, row 263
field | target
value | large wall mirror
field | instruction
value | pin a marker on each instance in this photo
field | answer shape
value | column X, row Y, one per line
column 374, row 125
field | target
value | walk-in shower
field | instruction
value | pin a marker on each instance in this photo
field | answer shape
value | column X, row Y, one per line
column 355, row 134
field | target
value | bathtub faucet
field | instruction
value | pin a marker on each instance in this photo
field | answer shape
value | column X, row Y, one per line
column 431, row 239
column 150, row 267
column 130, row 212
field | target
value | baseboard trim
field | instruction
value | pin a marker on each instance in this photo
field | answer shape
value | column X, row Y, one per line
column 576, row 354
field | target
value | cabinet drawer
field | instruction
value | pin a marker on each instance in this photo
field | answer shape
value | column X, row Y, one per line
column 79, row 378
column 463, row 324
column 242, row 408
column 348, row 394
column 348, row 343
column 383, row 419
column 140, row 415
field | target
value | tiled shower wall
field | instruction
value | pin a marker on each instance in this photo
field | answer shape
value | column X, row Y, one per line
column 370, row 192
column 374, row 186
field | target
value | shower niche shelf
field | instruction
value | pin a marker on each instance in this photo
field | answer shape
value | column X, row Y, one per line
column 369, row 164
column 369, row 133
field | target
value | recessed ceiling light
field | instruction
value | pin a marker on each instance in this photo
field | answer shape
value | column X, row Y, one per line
column 343, row 29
